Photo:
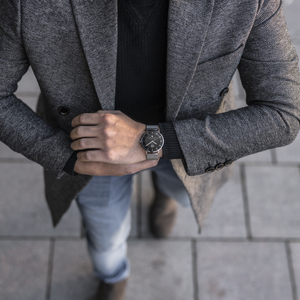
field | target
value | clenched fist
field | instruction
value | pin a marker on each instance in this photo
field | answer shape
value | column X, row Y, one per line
column 109, row 137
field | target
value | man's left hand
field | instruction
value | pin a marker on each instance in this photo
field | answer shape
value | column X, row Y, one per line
column 109, row 137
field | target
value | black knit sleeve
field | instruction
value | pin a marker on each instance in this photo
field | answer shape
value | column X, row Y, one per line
column 70, row 164
column 171, row 149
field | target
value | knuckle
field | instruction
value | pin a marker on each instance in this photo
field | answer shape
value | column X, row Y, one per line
column 82, row 118
column 82, row 143
column 109, row 118
column 111, row 156
column 106, row 132
column 88, row 155
column 79, row 130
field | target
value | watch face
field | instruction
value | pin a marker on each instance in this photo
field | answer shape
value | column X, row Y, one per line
column 152, row 141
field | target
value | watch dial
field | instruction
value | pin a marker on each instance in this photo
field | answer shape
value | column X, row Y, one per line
column 152, row 141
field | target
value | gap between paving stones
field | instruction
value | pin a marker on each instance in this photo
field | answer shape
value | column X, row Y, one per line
column 171, row 239
column 291, row 270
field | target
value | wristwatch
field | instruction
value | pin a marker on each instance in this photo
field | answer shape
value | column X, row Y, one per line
column 152, row 141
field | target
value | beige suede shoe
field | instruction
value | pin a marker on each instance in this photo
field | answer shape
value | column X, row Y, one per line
column 106, row 291
column 162, row 213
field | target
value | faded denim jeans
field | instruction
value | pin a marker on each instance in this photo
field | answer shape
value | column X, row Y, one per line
column 105, row 208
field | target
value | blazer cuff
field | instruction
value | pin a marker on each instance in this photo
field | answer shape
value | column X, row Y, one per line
column 171, row 148
column 70, row 164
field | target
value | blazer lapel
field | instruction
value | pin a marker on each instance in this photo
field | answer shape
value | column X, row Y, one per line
column 187, row 28
column 96, row 21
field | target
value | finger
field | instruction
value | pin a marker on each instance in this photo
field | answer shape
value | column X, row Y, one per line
column 86, row 119
column 109, row 156
column 147, row 164
column 86, row 143
column 96, row 156
column 95, row 118
column 104, row 169
column 84, row 132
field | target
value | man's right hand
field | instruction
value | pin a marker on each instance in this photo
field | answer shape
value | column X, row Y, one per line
column 105, row 169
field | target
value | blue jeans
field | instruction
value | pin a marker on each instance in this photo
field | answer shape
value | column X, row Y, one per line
column 105, row 208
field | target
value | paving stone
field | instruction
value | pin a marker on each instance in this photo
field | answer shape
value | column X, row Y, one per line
column 28, row 84
column 290, row 153
column 243, row 270
column 72, row 275
column 240, row 102
column 264, row 156
column 7, row 153
column 23, row 208
column 31, row 101
column 292, row 9
column 295, row 247
column 226, row 216
column 238, row 88
column 274, row 204
column 160, row 270
column 23, row 271
column 225, row 219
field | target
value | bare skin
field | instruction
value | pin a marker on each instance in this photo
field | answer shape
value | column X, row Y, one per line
column 109, row 141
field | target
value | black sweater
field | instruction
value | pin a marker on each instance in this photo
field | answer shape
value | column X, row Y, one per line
column 141, row 69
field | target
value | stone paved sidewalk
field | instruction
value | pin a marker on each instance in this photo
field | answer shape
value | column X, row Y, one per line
column 249, row 248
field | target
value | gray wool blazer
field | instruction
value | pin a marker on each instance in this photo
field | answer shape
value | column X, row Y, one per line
column 71, row 46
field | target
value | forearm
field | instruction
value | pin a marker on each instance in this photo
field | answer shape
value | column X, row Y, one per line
column 26, row 133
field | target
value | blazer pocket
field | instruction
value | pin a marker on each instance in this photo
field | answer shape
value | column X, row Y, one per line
column 210, row 79
column 224, row 57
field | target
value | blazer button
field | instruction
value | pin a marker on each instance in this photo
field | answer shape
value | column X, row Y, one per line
column 219, row 167
column 228, row 163
column 63, row 110
column 224, row 92
column 209, row 170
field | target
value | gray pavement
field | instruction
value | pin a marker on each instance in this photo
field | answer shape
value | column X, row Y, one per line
column 249, row 248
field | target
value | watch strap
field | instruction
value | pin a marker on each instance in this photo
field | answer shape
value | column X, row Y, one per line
column 152, row 127
column 152, row 156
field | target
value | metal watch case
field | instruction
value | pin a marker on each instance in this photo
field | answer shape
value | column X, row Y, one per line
column 152, row 140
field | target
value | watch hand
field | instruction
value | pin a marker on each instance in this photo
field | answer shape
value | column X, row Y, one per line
column 149, row 143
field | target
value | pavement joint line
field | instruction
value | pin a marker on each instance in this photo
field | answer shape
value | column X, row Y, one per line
column 50, row 268
column 291, row 270
column 245, row 163
column 16, row 160
column 195, row 269
column 220, row 239
column 39, row 238
column 170, row 239
column 245, row 201
column 268, row 164
column 274, row 159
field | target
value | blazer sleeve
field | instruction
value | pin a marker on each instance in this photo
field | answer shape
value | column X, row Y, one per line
column 270, row 75
column 21, row 128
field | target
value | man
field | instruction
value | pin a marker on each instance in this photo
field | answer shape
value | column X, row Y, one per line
column 107, row 69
